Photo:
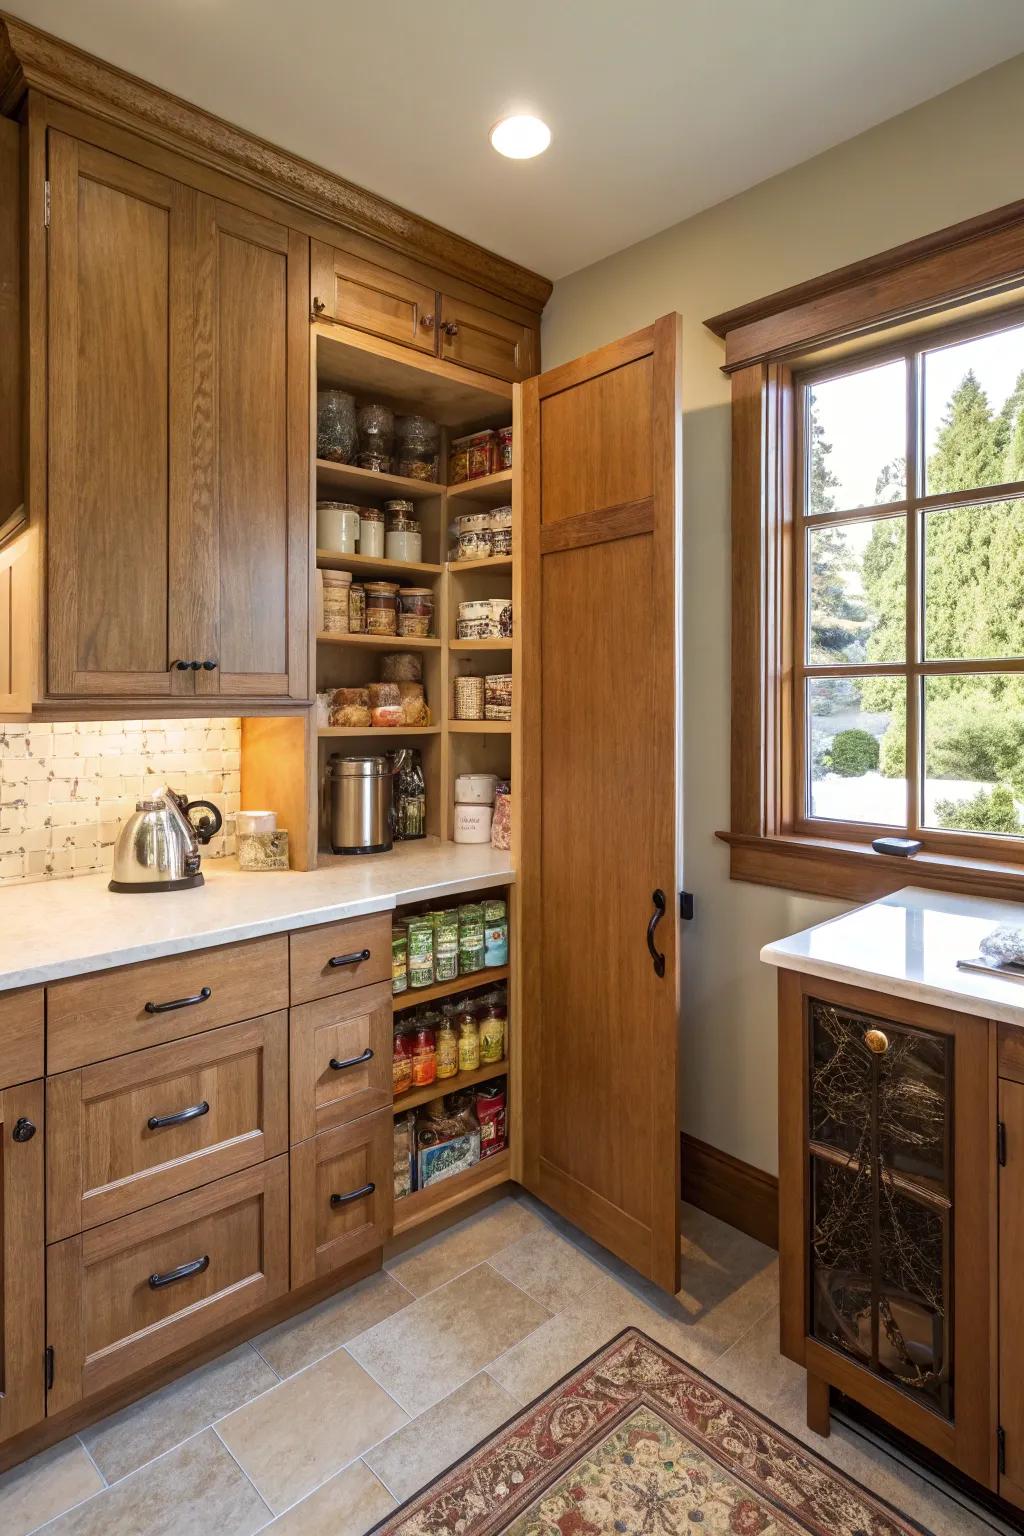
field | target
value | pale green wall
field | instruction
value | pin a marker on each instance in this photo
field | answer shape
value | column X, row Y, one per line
column 955, row 156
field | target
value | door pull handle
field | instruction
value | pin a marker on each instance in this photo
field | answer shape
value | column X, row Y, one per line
column 194, row 1267
column 158, row 1122
column 201, row 996
column 658, row 897
column 355, row 958
column 353, row 1061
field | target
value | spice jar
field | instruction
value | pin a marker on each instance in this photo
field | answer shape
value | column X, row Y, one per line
column 447, row 1049
column 469, row 698
column 424, row 1056
column 471, row 939
column 336, row 590
column 357, row 609
column 492, row 1034
column 416, row 611
column 469, row 1042
column 382, row 608
column 446, row 945
column 503, row 448
column 401, row 1061
column 371, row 532
column 399, row 959
column 421, row 951
column 495, row 933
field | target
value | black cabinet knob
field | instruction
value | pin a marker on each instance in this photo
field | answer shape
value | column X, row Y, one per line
column 182, row 666
column 23, row 1130
column 195, row 665
column 209, row 666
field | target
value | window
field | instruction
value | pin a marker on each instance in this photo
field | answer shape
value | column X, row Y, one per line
column 908, row 576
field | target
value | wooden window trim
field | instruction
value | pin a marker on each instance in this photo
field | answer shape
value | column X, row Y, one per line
column 977, row 263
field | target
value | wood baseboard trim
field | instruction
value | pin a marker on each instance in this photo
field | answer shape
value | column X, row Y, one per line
column 736, row 1192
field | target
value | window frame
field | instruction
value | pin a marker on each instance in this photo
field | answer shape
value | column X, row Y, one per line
column 956, row 279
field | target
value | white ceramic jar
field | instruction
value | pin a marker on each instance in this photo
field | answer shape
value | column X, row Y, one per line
column 475, row 788
column 473, row 823
column 337, row 527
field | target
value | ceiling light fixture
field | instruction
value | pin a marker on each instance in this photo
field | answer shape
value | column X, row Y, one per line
column 520, row 137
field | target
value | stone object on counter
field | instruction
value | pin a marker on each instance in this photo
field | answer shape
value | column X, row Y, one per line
column 1004, row 944
column 263, row 850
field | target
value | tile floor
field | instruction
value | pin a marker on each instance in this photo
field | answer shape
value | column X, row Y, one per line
column 322, row 1425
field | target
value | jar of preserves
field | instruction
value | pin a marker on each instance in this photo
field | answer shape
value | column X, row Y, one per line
column 469, row 1042
column 447, row 1048
column 421, row 951
column 492, row 1034
column 424, row 1056
column 401, row 1062
column 446, row 945
column 382, row 608
column 495, row 933
column 471, row 939
column 416, row 615
column 399, row 959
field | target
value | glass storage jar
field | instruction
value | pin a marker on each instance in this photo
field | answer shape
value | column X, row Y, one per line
column 382, row 608
column 335, row 425
column 416, row 613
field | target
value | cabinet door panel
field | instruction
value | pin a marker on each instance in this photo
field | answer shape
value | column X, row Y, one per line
column 248, row 579
column 1011, row 1266
column 490, row 343
column 353, row 1030
column 22, row 1393
column 342, row 1183
column 370, row 298
column 118, row 380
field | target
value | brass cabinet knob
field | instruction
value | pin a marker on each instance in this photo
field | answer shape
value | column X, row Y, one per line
column 427, row 322
column 318, row 307
column 876, row 1041
column 451, row 328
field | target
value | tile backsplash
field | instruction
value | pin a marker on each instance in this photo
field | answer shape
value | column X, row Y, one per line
column 66, row 788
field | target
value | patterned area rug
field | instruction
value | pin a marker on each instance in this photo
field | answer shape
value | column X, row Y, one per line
column 635, row 1443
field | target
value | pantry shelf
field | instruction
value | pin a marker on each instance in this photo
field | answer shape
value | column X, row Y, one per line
column 481, row 645
column 494, row 490
column 417, row 995
column 379, row 730
column 369, row 565
column 481, row 727
column 412, row 1210
column 445, row 1085
column 495, row 563
column 367, row 482
column 380, row 642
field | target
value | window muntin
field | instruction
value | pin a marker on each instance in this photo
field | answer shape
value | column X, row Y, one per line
column 909, row 565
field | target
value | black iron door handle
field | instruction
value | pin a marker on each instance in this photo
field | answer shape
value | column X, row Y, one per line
column 194, row 1267
column 353, row 1061
column 658, row 897
column 354, row 958
column 353, row 1194
column 181, row 1002
column 157, row 1122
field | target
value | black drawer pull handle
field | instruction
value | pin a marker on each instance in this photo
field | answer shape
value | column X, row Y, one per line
column 157, row 1122
column 196, row 1267
column 353, row 1061
column 353, row 1194
column 658, row 897
column 181, row 1002
column 354, row 958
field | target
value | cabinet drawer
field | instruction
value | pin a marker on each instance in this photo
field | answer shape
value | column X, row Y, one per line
column 340, row 957
column 126, row 1295
column 107, row 1155
column 21, row 1036
column 342, row 1185
column 476, row 338
column 371, row 298
column 340, row 1059
column 96, row 1017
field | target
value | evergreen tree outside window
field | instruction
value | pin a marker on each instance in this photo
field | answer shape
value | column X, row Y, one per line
column 909, row 567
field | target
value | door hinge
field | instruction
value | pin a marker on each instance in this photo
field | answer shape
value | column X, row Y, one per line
column 48, row 1367
column 1001, row 1143
column 686, row 906
column 46, row 204
column 1001, row 1443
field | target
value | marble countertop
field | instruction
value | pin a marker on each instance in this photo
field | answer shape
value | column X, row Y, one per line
column 908, row 944
column 55, row 928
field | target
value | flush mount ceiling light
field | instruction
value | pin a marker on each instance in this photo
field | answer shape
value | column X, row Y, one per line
column 520, row 137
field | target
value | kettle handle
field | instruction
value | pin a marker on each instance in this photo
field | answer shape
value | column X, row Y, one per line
column 206, row 827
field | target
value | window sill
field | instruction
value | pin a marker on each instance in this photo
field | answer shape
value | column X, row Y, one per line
column 855, row 872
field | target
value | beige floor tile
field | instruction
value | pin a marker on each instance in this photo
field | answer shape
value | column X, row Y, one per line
column 310, row 1426
column 550, row 1269
column 424, row 1448
column 196, row 1487
column 554, row 1349
column 146, row 1429
column 294, row 1344
column 451, row 1253
column 44, row 1487
column 346, row 1505
column 426, row 1351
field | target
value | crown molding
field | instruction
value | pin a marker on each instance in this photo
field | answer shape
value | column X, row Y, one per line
column 31, row 60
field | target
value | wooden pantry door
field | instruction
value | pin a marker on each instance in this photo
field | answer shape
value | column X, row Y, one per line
column 599, row 795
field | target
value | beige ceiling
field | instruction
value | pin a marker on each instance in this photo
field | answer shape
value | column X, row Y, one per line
column 658, row 107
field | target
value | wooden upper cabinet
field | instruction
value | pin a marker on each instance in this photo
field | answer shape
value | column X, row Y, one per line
column 371, row 298
column 248, row 566
column 118, row 286
column 178, row 438
column 478, row 338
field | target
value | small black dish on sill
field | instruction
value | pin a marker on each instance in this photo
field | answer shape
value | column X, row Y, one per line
column 902, row 847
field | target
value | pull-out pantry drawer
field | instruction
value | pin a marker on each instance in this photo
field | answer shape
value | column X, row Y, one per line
column 122, row 1297
column 341, row 1051
column 125, row 1133
column 95, row 1017
column 340, row 957
column 342, row 1184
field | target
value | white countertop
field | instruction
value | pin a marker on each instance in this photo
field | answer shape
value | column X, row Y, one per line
column 908, row 944
column 54, row 928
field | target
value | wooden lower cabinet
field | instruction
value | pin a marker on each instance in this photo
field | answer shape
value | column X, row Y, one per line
column 341, row 1190
column 341, row 1050
column 1011, row 1264
column 22, row 1338
column 122, row 1297
column 338, row 957
column 123, row 1134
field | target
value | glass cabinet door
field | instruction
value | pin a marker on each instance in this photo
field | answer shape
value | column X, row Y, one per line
column 880, row 1105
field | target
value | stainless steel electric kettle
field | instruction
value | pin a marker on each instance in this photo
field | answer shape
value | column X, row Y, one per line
column 157, row 849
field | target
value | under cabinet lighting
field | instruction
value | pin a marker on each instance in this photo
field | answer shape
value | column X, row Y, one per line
column 520, row 137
